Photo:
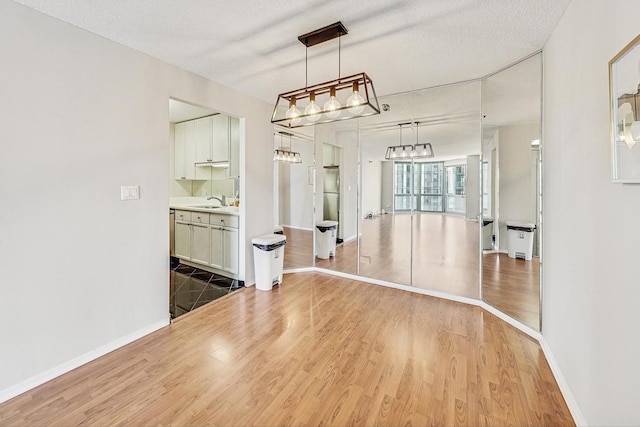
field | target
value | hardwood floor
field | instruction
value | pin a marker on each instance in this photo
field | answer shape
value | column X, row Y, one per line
column 513, row 287
column 317, row 350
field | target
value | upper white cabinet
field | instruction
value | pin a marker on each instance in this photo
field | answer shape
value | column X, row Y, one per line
column 212, row 139
column 201, row 142
column 185, row 150
column 220, row 145
column 234, row 147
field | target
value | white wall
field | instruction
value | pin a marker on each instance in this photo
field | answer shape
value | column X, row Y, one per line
column 515, row 181
column 591, row 273
column 81, row 116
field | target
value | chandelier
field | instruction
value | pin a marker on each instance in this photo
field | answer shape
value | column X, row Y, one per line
column 285, row 155
column 419, row 150
column 340, row 99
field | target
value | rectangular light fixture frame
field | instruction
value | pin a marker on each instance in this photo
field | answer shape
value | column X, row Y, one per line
column 343, row 90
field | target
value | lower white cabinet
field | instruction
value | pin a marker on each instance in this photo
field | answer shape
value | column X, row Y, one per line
column 231, row 241
column 182, row 233
column 200, row 243
column 224, row 249
column 208, row 239
column 217, row 247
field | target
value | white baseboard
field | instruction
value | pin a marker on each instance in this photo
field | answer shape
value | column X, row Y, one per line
column 48, row 375
column 572, row 403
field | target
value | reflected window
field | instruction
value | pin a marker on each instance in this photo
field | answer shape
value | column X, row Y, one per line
column 428, row 195
column 456, row 177
column 485, row 188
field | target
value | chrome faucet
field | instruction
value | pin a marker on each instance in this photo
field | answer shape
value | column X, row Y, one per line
column 223, row 201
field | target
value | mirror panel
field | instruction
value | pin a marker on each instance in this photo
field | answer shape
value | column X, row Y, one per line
column 511, row 131
column 337, row 192
column 447, row 190
column 293, row 196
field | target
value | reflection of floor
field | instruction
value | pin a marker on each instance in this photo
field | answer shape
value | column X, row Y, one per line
column 318, row 350
column 298, row 252
column 445, row 252
column 190, row 288
column 512, row 286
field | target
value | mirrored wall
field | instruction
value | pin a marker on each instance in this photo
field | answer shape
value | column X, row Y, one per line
column 511, row 191
column 432, row 222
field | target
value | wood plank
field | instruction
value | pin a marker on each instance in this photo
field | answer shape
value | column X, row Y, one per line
column 316, row 350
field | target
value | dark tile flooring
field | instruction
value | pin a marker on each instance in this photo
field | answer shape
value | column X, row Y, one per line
column 190, row 288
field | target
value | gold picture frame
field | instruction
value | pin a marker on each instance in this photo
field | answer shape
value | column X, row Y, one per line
column 624, row 97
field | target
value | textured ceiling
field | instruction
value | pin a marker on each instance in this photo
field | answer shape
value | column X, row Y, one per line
column 252, row 46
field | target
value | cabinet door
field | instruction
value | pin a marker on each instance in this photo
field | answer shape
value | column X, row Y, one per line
column 234, row 147
column 190, row 149
column 231, row 250
column 184, row 153
column 220, row 147
column 217, row 247
column 179, row 159
column 182, row 232
column 204, row 139
column 200, row 243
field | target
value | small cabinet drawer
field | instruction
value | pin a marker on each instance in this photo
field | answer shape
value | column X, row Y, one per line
column 200, row 218
column 183, row 216
column 224, row 220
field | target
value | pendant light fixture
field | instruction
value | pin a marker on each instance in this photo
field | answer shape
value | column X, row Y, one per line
column 339, row 99
column 421, row 150
column 285, row 155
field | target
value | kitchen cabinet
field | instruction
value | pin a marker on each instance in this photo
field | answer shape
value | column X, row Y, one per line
column 217, row 247
column 184, row 150
column 212, row 143
column 234, row 147
column 200, row 238
column 231, row 243
column 210, row 240
column 182, row 232
column 224, row 242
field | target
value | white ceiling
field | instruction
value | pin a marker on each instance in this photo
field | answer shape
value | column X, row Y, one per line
column 252, row 46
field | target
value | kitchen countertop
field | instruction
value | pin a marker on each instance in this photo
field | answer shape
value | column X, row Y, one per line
column 196, row 204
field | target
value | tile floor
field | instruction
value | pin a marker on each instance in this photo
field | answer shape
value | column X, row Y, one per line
column 190, row 288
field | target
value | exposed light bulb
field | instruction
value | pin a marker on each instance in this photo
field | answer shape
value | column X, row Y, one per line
column 355, row 101
column 404, row 152
column 313, row 110
column 394, row 154
column 293, row 113
column 331, row 107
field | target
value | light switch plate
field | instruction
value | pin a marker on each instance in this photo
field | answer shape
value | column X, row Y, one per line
column 129, row 192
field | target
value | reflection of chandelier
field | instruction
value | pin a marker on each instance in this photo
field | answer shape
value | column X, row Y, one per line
column 286, row 155
column 340, row 99
column 628, row 122
column 401, row 152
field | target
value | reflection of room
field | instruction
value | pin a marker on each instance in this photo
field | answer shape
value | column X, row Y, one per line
column 511, row 191
column 293, row 196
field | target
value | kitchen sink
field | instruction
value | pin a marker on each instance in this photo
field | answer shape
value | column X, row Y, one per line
column 207, row 207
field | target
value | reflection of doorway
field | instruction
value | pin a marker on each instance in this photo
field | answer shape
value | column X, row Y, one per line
column 331, row 194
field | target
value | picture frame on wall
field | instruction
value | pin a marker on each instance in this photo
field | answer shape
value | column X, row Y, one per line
column 624, row 96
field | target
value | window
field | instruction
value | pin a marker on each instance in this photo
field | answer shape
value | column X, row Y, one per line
column 419, row 186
